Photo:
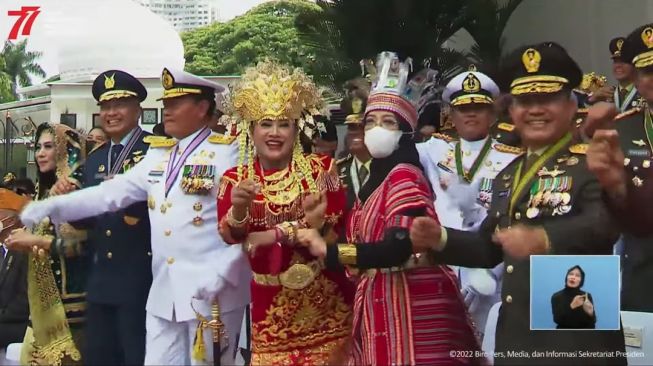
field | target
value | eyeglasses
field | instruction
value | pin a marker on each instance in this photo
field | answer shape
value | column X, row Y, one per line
column 387, row 123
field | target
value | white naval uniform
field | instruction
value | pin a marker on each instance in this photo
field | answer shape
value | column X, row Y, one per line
column 458, row 206
column 185, row 256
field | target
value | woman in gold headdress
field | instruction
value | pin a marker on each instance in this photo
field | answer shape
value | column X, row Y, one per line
column 57, row 263
column 300, row 311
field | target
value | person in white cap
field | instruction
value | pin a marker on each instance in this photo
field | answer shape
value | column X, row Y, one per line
column 193, row 269
column 461, row 170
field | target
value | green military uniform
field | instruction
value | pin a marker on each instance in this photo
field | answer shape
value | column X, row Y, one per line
column 556, row 192
column 635, row 129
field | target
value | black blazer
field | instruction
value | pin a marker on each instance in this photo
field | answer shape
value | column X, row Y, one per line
column 567, row 318
column 120, row 241
column 14, row 308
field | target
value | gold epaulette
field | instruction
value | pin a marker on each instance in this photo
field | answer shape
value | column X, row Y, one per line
column 344, row 160
column 506, row 126
column 627, row 113
column 96, row 147
column 159, row 141
column 442, row 136
column 508, row 149
column 218, row 138
column 579, row 148
column 582, row 111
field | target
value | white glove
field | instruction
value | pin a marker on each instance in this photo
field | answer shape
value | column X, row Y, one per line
column 209, row 290
column 463, row 195
column 35, row 212
column 482, row 280
column 471, row 298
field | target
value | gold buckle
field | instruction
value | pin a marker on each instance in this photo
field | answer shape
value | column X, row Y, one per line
column 297, row 277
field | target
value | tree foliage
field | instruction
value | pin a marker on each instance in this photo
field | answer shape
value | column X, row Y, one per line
column 267, row 31
column 363, row 28
column 5, row 84
column 20, row 64
column 486, row 26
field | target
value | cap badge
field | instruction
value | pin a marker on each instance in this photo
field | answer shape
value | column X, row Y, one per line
column 647, row 37
column 531, row 59
column 109, row 81
column 472, row 68
column 167, row 79
column 356, row 105
column 471, row 84
column 620, row 44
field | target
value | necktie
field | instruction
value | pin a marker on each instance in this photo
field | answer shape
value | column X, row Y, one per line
column 363, row 173
column 622, row 94
column 532, row 158
column 3, row 253
column 115, row 152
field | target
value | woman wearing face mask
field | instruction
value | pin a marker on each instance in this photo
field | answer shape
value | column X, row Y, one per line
column 56, row 277
column 407, row 310
column 301, row 312
column 572, row 307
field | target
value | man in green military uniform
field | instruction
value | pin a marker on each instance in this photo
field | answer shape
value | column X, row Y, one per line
column 621, row 160
column 355, row 168
column 545, row 202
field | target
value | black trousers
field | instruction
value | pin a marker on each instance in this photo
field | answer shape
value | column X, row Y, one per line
column 115, row 334
column 11, row 333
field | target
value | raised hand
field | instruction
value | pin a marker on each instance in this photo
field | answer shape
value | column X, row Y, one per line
column 606, row 160
column 311, row 239
column 599, row 116
column 425, row 234
column 62, row 186
column 578, row 301
column 315, row 206
column 521, row 241
column 242, row 196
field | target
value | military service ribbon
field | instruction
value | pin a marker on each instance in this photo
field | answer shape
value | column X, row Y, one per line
column 174, row 165
column 469, row 176
column 520, row 182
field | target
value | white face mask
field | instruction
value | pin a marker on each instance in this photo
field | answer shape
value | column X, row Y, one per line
column 382, row 142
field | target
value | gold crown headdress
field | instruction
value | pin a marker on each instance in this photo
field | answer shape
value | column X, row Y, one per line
column 271, row 91
column 592, row 82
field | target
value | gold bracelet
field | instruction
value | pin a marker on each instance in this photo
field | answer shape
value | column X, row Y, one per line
column 231, row 221
column 347, row 254
column 289, row 230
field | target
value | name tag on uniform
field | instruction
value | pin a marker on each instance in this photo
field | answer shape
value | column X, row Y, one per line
column 155, row 173
column 638, row 152
column 445, row 168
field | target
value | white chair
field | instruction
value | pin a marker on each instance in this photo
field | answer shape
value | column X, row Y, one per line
column 490, row 330
column 639, row 355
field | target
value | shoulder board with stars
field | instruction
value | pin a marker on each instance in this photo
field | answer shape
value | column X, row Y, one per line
column 344, row 160
column 508, row 149
column 506, row 126
column 221, row 139
column 627, row 113
column 579, row 148
column 159, row 141
column 442, row 136
column 97, row 147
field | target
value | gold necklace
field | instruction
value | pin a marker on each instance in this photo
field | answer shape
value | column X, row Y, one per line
column 280, row 188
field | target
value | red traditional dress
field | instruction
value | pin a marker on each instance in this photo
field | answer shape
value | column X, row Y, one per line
column 411, row 315
column 300, row 312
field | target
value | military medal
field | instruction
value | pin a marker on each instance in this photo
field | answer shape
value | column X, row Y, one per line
column 175, row 164
column 198, row 221
column 198, row 179
column 646, row 164
column 150, row 202
column 121, row 165
column 532, row 212
column 572, row 161
column 197, row 206
column 164, row 208
column 637, row 181
column 485, row 192
column 639, row 142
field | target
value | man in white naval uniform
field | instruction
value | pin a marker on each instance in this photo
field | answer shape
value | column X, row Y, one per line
column 191, row 265
column 461, row 171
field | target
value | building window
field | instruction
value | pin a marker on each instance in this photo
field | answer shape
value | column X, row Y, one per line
column 69, row 119
column 96, row 120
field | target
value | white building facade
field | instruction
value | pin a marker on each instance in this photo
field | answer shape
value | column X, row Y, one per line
column 184, row 15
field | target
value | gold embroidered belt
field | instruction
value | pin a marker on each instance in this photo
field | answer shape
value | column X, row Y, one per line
column 296, row 277
column 414, row 262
